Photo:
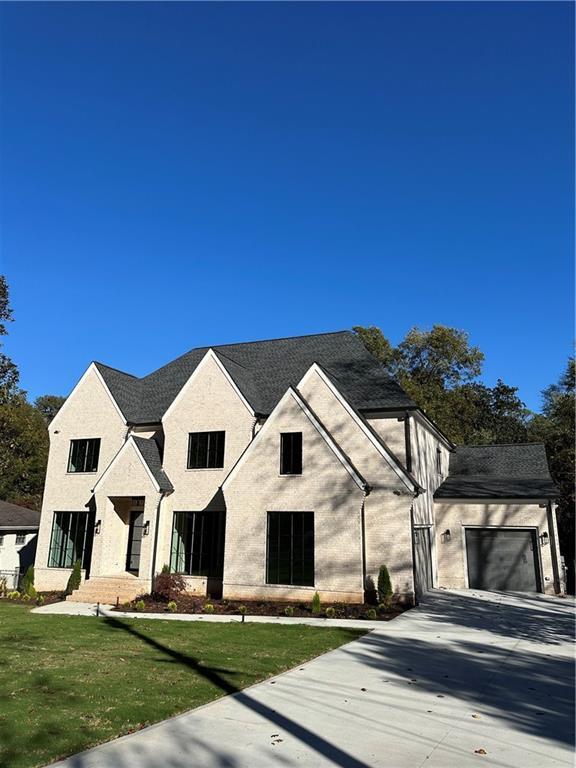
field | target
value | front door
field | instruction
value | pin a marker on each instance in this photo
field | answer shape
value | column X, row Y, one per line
column 134, row 542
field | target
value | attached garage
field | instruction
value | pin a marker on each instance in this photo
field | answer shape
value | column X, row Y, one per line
column 495, row 521
column 502, row 559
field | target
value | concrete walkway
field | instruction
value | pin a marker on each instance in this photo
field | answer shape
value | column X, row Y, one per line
column 467, row 679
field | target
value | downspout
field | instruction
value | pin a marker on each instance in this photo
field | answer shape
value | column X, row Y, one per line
column 408, row 442
column 163, row 494
column 367, row 490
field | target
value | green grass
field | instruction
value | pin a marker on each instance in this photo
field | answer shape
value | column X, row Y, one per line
column 69, row 682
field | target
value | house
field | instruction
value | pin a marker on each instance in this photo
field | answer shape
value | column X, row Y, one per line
column 274, row 469
column 18, row 537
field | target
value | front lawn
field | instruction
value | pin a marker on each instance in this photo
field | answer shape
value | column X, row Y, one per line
column 69, row 682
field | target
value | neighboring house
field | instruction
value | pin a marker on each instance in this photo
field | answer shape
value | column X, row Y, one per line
column 278, row 468
column 18, row 538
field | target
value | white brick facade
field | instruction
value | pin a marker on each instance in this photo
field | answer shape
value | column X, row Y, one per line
column 364, row 483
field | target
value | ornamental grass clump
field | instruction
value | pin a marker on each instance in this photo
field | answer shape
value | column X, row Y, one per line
column 208, row 608
column 172, row 607
column 331, row 612
column 140, row 605
column 371, row 614
column 289, row 611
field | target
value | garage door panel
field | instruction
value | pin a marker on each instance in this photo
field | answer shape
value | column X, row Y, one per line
column 500, row 559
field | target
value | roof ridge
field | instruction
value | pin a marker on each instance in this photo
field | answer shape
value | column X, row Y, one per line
column 495, row 445
column 277, row 338
column 118, row 370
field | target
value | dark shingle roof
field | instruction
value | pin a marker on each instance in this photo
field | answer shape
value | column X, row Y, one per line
column 263, row 371
column 498, row 471
column 151, row 455
column 13, row 516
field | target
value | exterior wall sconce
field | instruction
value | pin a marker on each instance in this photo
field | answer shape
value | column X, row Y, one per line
column 446, row 536
column 146, row 528
column 544, row 538
column 97, row 526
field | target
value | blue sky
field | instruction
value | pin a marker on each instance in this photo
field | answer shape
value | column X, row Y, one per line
column 176, row 175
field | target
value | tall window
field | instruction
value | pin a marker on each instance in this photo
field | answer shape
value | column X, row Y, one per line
column 291, row 453
column 84, row 455
column 68, row 539
column 439, row 460
column 198, row 543
column 20, row 538
column 290, row 555
column 206, row 450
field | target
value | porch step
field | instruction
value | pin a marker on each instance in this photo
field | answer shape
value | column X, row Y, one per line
column 108, row 589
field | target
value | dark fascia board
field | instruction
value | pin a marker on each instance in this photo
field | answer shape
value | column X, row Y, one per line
column 19, row 528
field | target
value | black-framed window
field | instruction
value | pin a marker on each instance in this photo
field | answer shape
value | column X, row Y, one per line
column 68, row 540
column 206, row 450
column 20, row 538
column 198, row 543
column 290, row 548
column 438, row 460
column 291, row 453
column 84, row 455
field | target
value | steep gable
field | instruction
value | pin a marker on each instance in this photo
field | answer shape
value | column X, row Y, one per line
column 262, row 371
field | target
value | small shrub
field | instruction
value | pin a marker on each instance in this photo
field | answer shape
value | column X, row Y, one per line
column 382, row 608
column 40, row 600
column 289, row 610
column 316, row 606
column 165, row 568
column 331, row 612
column 385, row 591
column 370, row 595
column 127, row 605
column 75, row 578
column 172, row 607
column 139, row 605
column 28, row 583
column 208, row 608
column 371, row 613
column 25, row 598
column 242, row 609
column 14, row 595
column 167, row 586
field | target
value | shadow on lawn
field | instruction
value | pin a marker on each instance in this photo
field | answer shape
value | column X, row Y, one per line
column 187, row 745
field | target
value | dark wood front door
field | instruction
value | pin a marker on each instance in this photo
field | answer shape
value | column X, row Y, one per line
column 134, row 542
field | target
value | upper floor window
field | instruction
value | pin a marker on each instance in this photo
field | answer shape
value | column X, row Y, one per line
column 1, row 539
column 84, row 455
column 439, row 460
column 20, row 538
column 291, row 453
column 206, row 450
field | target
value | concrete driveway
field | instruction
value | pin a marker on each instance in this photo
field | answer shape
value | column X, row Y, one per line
column 466, row 679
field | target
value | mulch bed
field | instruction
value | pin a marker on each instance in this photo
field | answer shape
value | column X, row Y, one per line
column 191, row 604
column 49, row 598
